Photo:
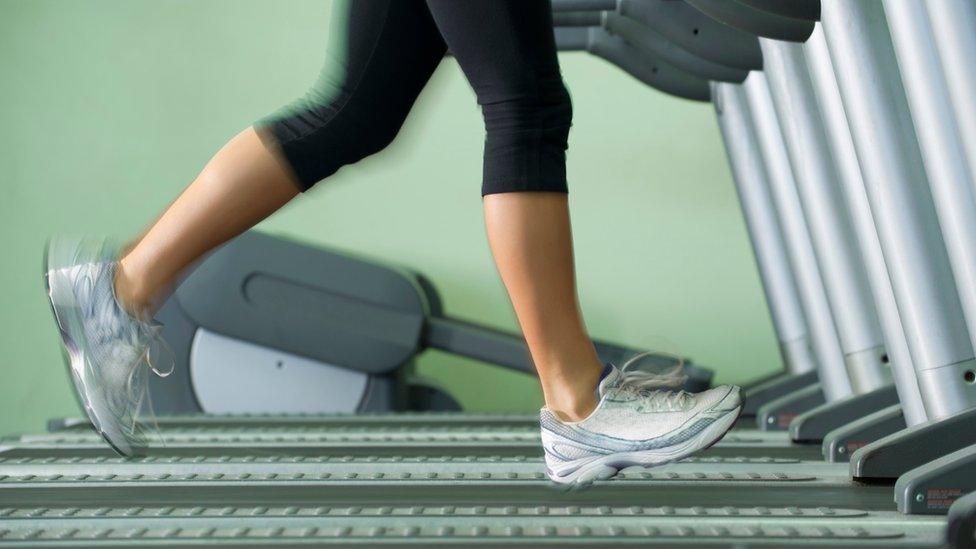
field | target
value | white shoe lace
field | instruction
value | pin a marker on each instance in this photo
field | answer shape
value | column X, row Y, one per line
column 671, row 378
column 656, row 389
column 665, row 401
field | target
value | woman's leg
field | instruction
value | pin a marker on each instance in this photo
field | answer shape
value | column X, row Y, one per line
column 530, row 237
column 511, row 63
column 240, row 186
column 507, row 51
column 380, row 56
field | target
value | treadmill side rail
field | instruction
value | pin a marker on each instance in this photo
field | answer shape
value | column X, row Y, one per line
column 813, row 425
column 932, row 488
column 839, row 444
column 896, row 454
column 777, row 415
column 761, row 394
column 961, row 532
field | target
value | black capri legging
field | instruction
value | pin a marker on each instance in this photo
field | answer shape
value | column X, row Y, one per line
column 382, row 53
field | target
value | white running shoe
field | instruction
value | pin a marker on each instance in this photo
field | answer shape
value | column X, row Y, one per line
column 107, row 348
column 635, row 424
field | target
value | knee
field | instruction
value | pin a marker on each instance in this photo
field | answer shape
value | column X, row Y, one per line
column 318, row 137
column 545, row 112
column 526, row 142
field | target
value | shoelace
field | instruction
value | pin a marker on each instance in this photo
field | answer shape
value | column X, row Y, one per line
column 656, row 389
column 672, row 378
column 134, row 331
column 666, row 401
column 157, row 350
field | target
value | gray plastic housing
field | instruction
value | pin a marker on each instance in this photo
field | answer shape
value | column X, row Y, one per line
column 896, row 454
column 808, row 10
column 813, row 425
column 763, row 393
column 776, row 415
column 842, row 442
column 696, row 32
column 759, row 22
column 364, row 321
column 932, row 488
column 652, row 42
column 961, row 532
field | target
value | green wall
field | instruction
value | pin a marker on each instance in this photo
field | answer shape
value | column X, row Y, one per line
column 109, row 108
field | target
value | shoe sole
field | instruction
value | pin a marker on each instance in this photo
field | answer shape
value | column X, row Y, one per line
column 65, row 309
column 605, row 467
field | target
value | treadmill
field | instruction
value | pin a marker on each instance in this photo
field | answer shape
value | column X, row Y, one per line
column 418, row 501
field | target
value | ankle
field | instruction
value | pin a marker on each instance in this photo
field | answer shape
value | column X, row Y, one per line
column 131, row 293
column 573, row 409
column 570, row 388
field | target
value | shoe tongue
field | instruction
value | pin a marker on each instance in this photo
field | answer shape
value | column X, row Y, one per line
column 609, row 380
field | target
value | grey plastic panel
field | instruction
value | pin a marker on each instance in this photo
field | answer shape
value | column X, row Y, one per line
column 961, row 531
column 583, row 5
column 761, row 395
column 577, row 19
column 808, row 10
column 307, row 300
column 892, row 456
column 813, row 425
column 654, row 72
column 933, row 487
column 572, row 38
column 776, row 415
column 696, row 32
column 232, row 376
column 647, row 39
column 758, row 22
column 839, row 444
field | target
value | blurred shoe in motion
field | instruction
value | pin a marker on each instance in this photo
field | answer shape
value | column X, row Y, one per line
column 107, row 349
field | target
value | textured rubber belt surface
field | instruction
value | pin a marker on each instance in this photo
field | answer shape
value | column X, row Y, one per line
column 366, row 432
column 420, row 525
column 377, row 487
column 411, row 419
column 388, row 465
column 378, row 445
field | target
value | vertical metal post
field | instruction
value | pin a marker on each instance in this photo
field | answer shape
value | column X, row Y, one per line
column 938, row 136
column 954, row 26
column 825, row 210
column 820, row 323
column 849, row 176
column 891, row 165
column 764, row 231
